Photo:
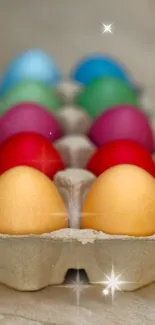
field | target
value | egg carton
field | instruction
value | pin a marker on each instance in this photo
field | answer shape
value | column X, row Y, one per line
column 29, row 263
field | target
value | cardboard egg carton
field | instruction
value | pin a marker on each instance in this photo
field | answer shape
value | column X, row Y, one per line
column 29, row 263
column 67, row 91
column 147, row 101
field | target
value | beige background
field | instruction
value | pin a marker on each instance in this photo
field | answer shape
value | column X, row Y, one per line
column 69, row 29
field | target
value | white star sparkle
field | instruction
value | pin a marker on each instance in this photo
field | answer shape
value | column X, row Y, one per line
column 113, row 283
column 105, row 292
column 43, row 161
column 77, row 286
column 106, row 28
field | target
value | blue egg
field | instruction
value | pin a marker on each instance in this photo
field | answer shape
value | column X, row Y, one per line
column 96, row 66
column 30, row 65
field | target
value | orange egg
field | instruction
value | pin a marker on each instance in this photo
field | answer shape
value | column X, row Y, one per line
column 121, row 201
column 29, row 203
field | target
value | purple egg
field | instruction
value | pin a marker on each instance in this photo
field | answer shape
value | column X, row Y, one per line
column 29, row 117
column 122, row 122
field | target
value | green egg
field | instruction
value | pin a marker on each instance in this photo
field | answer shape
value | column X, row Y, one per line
column 31, row 91
column 103, row 93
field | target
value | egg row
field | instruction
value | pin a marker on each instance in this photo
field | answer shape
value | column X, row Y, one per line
column 35, row 64
column 94, row 98
column 120, row 201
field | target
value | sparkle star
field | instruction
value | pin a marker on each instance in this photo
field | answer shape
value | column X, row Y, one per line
column 76, row 286
column 113, row 283
column 44, row 161
column 106, row 28
column 105, row 292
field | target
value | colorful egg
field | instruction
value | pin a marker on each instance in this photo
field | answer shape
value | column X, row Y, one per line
column 120, row 152
column 103, row 93
column 33, row 92
column 121, row 201
column 30, row 65
column 96, row 66
column 30, row 149
column 122, row 122
column 30, row 203
column 29, row 117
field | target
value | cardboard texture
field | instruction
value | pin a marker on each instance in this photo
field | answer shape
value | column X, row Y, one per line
column 67, row 91
column 73, row 120
column 75, row 150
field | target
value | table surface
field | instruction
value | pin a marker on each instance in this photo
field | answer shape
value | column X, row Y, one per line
column 70, row 29
column 58, row 306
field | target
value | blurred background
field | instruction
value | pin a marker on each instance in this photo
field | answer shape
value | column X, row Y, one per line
column 69, row 29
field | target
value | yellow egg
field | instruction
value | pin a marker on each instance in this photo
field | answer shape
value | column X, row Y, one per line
column 29, row 203
column 121, row 201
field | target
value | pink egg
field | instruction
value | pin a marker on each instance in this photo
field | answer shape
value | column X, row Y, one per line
column 29, row 117
column 122, row 122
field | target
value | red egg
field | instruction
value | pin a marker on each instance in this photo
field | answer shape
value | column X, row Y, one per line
column 30, row 149
column 120, row 152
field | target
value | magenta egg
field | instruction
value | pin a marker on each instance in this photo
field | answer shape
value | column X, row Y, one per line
column 122, row 122
column 29, row 117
